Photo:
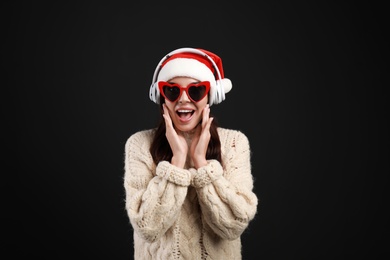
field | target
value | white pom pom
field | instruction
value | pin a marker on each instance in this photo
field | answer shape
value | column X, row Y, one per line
column 226, row 84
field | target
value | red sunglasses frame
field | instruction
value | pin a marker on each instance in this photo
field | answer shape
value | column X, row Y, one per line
column 162, row 84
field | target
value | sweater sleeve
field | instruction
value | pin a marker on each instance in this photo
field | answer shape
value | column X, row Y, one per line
column 154, row 195
column 226, row 194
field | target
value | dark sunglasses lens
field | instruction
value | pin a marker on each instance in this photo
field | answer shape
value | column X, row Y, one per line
column 171, row 93
column 197, row 92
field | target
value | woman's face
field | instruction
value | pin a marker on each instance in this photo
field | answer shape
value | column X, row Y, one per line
column 185, row 113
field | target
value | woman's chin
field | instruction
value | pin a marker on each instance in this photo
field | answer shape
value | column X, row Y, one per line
column 186, row 127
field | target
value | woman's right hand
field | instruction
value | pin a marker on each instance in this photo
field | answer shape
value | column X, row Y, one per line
column 177, row 142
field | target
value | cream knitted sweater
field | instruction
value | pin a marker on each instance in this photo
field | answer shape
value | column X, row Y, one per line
column 187, row 213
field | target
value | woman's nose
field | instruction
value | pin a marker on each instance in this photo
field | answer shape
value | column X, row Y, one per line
column 183, row 97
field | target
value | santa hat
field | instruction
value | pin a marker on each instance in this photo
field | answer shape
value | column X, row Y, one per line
column 199, row 64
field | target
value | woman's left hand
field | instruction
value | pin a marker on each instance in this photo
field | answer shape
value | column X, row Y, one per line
column 201, row 140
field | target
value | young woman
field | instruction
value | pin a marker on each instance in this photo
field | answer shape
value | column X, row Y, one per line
column 188, row 182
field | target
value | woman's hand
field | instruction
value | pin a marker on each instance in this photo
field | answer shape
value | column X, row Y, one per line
column 177, row 142
column 201, row 140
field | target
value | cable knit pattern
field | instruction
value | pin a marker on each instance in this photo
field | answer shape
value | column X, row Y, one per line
column 189, row 213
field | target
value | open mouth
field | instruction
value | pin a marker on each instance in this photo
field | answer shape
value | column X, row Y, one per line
column 185, row 114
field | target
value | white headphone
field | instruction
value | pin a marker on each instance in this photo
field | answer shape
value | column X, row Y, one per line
column 218, row 94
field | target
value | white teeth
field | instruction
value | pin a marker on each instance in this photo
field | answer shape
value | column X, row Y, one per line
column 184, row 111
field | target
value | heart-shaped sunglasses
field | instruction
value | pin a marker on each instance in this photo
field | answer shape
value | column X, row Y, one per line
column 195, row 91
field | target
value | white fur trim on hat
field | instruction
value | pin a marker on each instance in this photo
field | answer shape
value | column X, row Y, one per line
column 184, row 67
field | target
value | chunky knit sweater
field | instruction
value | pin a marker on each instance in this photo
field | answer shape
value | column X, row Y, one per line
column 189, row 213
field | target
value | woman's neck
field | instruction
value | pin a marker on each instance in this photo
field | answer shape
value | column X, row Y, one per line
column 188, row 135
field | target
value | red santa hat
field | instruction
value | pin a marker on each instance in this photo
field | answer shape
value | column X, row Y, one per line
column 199, row 64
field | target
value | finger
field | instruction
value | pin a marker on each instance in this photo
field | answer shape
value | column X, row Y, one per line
column 167, row 118
column 209, row 122
column 206, row 114
column 206, row 128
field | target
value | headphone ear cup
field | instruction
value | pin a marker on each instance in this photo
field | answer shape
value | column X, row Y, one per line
column 154, row 93
column 219, row 93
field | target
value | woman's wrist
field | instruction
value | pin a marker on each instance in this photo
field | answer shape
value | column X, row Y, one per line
column 178, row 161
column 200, row 163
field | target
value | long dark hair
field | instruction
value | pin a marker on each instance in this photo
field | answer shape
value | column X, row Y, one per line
column 161, row 151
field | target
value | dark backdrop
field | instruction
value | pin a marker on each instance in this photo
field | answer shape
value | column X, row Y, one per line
column 306, row 92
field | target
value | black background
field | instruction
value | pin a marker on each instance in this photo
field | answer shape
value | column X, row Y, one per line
column 306, row 91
